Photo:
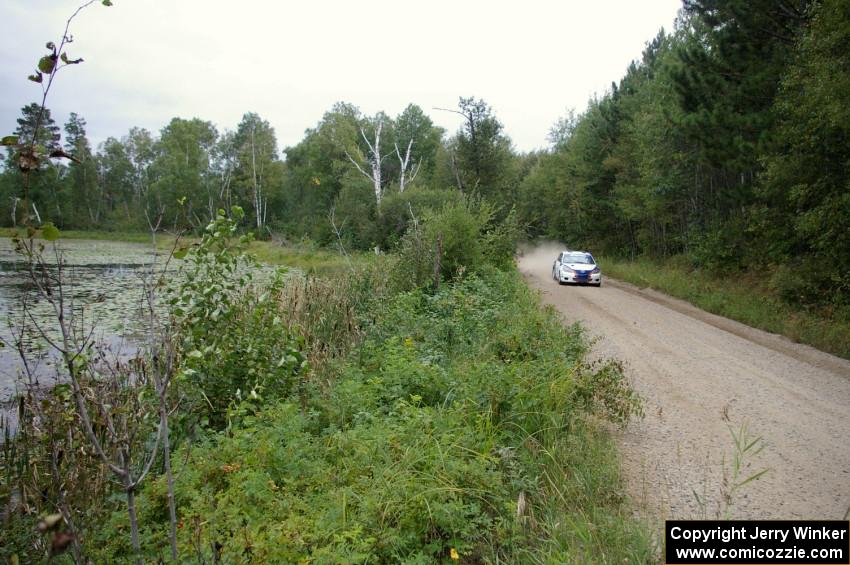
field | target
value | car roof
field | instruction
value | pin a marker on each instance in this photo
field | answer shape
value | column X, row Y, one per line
column 576, row 252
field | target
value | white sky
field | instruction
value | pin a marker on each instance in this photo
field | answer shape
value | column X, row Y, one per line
column 147, row 61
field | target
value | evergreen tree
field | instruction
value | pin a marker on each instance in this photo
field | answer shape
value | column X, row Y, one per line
column 81, row 180
column 805, row 206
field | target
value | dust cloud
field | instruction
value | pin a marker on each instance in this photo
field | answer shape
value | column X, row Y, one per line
column 539, row 256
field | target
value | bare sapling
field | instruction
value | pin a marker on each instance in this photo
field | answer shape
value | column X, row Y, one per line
column 109, row 393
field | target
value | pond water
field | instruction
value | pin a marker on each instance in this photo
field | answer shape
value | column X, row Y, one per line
column 104, row 279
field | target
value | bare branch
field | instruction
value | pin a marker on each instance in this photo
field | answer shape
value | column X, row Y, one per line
column 339, row 237
column 367, row 175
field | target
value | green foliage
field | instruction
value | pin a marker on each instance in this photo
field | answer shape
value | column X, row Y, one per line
column 182, row 171
column 468, row 237
column 482, row 150
column 398, row 210
column 451, row 411
column 355, row 213
column 235, row 345
column 807, row 178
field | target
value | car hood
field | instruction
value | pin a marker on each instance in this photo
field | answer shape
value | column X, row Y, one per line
column 580, row 266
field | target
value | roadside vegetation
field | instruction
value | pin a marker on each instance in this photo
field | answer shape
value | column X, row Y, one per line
column 385, row 416
column 774, row 301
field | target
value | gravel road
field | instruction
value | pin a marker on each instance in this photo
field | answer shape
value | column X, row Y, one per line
column 703, row 376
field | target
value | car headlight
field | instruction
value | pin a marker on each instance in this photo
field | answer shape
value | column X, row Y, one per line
column 566, row 270
column 595, row 271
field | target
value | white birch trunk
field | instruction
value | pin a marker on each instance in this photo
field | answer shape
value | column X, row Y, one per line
column 258, row 196
column 405, row 163
column 375, row 160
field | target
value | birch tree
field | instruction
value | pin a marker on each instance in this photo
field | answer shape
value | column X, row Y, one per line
column 257, row 151
column 374, row 160
column 405, row 164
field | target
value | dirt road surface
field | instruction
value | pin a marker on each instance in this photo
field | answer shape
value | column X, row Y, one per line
column 700, row 376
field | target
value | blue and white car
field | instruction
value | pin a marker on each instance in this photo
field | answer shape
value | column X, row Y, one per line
column 577, row 267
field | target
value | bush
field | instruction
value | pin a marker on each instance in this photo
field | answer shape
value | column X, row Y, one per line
column 468, row 238
column 721, row 247
column 233, row 341
column 396, row 207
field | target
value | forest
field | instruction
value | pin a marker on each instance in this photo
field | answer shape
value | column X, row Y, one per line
column 725, row 144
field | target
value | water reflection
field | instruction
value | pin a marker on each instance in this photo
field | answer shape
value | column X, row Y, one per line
column 103, row 282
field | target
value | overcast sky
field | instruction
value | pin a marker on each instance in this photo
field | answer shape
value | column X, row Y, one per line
column 147, row 61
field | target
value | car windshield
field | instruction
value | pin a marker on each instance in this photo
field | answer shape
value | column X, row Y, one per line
column 580, row 258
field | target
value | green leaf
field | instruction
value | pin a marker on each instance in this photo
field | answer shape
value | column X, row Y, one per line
column 106, row 3
column 67, row 61
column 36, row 77
column 47, row 63
column 181, row 253
column 49, row 232
column 9, row 140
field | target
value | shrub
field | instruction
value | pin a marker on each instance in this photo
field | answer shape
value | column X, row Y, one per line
column 233, row 340
column 398, row 210
column 467, row 236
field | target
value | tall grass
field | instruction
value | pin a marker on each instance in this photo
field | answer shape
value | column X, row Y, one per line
column 309, row 258
column 745, row 297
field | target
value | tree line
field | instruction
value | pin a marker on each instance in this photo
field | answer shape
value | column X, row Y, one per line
column 725, row 144
column 337, row 182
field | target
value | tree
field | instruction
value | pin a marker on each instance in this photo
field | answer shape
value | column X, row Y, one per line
column 416, row 134
column 37, row 124
column 28, row 151
column 182, row 171
column 563, row 129
column 256, row 148
column 82, row 173
column 481, row 150
column 37, row 127
column 225, row 159
column 374, row 157
column 805, row 195
column 141, row 151
column 732, row 57
column 116, row 175
column 315, row 169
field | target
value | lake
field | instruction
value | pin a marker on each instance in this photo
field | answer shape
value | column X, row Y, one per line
column 105, row 280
